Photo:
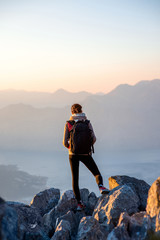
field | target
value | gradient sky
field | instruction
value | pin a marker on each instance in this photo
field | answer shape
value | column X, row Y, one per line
column 91, row 45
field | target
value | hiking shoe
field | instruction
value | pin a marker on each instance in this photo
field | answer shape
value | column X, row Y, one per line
column 103, row 190
column 80, row 206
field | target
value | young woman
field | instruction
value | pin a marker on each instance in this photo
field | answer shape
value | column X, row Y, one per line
column 86, row 158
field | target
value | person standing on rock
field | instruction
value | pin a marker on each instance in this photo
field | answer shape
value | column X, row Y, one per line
column 79, row 138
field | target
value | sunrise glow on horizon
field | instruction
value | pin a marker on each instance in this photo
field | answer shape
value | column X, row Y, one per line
column 78, row 45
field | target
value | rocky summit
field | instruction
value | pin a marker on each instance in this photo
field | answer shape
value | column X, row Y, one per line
column 131, row 211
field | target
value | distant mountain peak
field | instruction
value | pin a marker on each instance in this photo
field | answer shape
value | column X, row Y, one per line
column 145, row 82
column 124, row 88
column 124, row 85
column 61, row 90
column 120, row 89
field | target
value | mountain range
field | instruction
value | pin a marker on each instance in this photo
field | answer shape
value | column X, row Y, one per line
column 126, row 118
column 60, row 98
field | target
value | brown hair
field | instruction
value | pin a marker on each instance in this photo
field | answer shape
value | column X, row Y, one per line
column 76, row 108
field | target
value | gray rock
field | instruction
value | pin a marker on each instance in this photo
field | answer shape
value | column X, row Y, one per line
column 89, row 228
column 92, row 201
column 120, row 232
column 8, row 222
column 35, row 236
column 49, row 220
column 84, row 192
column 109, row 207
column 46, row 200
column 135, row 227
column 71, row 217
column 67, row 203
column 140, row 187
column 153, row 201
column 1, row 200
column 62, row 231
column 89, row 199
column 139, row 226
column 153, row 206
column 124, row 220
column 29, row 221
column 80, row 215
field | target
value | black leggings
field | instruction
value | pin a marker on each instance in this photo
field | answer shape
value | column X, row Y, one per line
column 88, row 161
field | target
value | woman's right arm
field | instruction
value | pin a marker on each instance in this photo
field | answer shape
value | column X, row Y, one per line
column 66, row 136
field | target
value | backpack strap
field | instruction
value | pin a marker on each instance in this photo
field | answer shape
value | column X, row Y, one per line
column 70, row 125
column 92, row 147
column 87, row 121
column 83, row 121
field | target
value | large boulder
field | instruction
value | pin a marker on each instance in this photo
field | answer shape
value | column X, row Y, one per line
column 139, row 226
column 8, row 222
column 89, row 228
column 153, row 205
column 157, row 228
column 70, row 217
column 140, row 187
column 67, row 203
column 49, row 221
column 30, row 224
column 153, row 201
column 132, row 227
column 120, row 232
column 40, row 235
column 89, row 199
column 109, row 207
column 92, row 201
column 2, row 200
column 62, row 231
column 46, row 200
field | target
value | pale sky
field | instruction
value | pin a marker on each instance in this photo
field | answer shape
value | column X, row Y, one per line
column 78, row 45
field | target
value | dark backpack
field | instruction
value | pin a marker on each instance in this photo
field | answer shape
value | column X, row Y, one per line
column 80, row 137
